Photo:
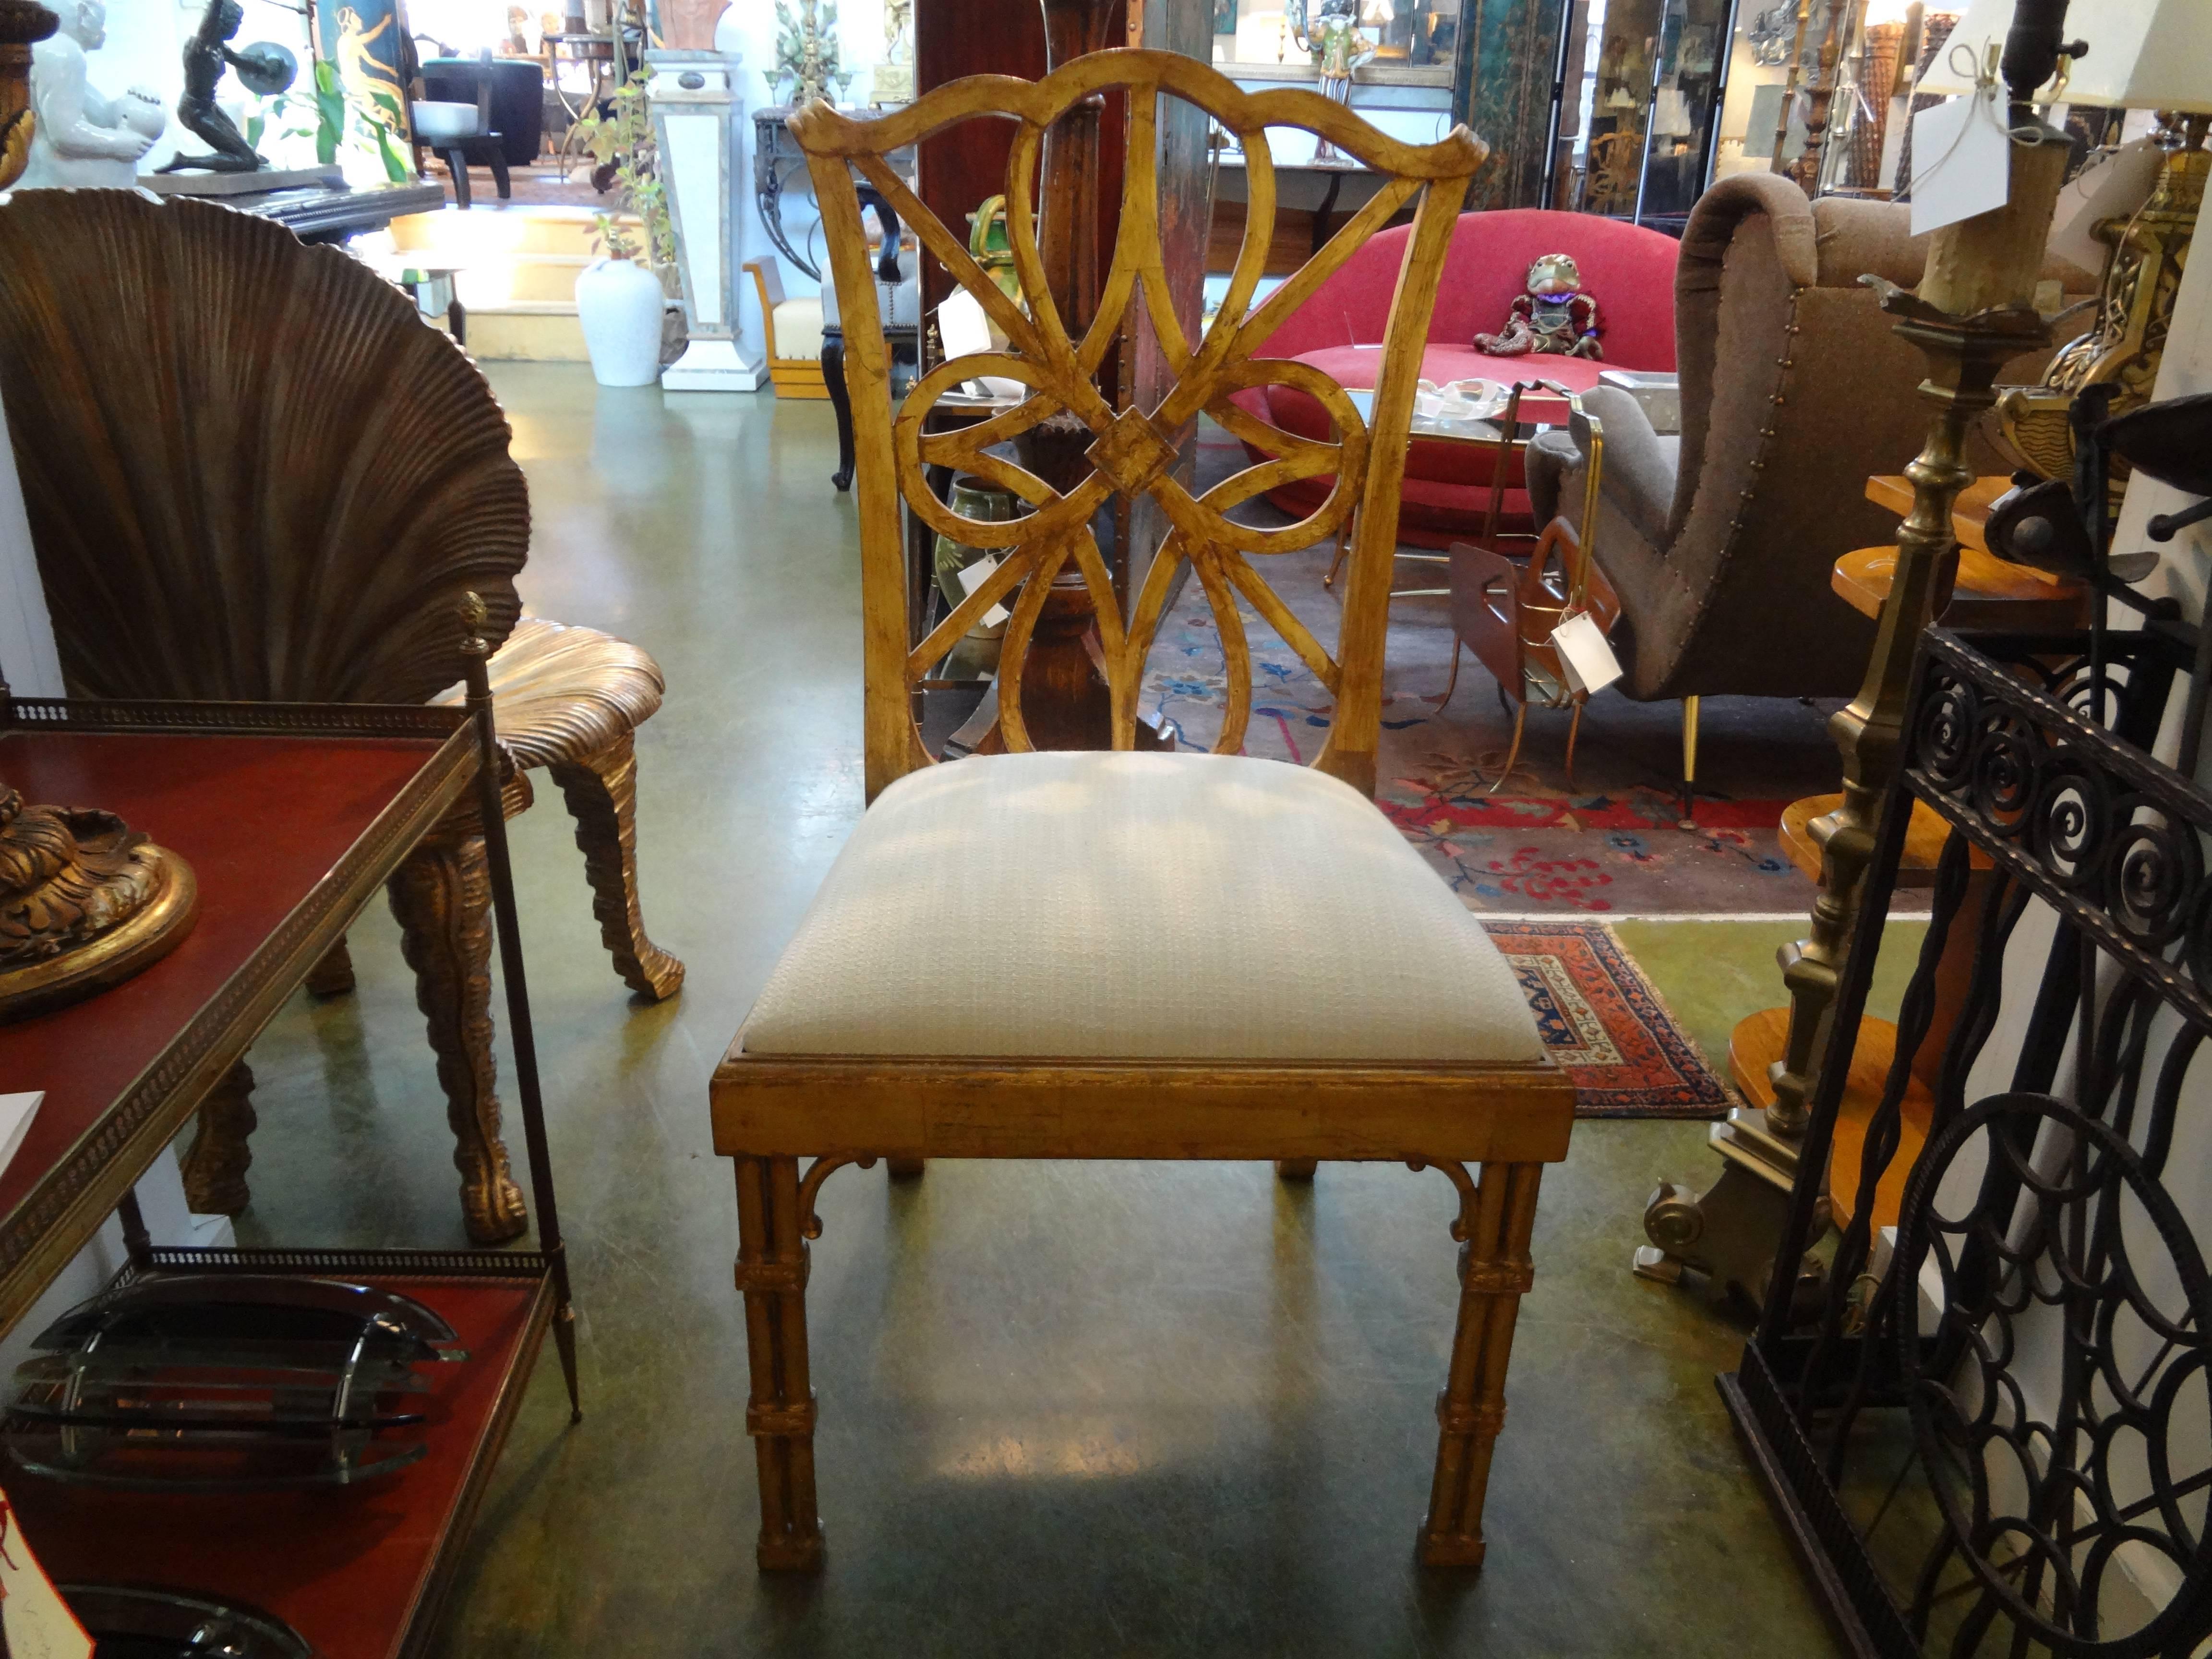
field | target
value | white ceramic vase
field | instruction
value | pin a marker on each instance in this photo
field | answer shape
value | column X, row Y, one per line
column 619, row 303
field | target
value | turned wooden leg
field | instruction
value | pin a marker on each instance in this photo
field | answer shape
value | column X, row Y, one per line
column 602, row 796
column 214, row 1169
column 772, row 1264
column 1296, row 1169
column 441, row 896
column 1494, row 1272
column 333, row 976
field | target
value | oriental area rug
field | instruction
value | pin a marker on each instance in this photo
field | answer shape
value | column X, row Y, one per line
column 1602, row 1020
column 1604, row 842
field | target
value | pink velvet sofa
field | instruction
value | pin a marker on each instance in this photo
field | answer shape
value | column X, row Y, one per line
column 1629, row 270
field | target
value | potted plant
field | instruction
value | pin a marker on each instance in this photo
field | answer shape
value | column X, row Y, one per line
column 632, row 322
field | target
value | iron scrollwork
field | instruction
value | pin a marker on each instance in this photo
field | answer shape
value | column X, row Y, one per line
column 2000, row 1436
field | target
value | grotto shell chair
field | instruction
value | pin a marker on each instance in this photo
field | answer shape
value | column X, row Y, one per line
column 254, row 475
column 1131, row 955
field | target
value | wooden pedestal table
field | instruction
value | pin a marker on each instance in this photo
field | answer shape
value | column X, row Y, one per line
column 1990, row 595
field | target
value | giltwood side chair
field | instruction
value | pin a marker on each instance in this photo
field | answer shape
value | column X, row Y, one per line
column 253, row 474
column 1300, row 986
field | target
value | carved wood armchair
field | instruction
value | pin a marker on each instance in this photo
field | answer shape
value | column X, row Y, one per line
column 1132, row 954
column 253, row 474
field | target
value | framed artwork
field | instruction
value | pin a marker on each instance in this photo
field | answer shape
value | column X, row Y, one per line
column 366, row 41
column 1224, row 16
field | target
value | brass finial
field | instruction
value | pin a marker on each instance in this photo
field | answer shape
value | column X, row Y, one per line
column 474, row 617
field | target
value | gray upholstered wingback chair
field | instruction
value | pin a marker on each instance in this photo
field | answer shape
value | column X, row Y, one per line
column 1793, row 390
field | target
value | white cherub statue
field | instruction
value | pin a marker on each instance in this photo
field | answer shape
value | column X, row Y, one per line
column 84, row 138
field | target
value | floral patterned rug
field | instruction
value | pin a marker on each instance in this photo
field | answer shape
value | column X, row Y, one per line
column 1602, row 1021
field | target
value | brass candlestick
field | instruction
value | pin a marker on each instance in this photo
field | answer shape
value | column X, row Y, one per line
column 1972, row 314
column 1963, row 355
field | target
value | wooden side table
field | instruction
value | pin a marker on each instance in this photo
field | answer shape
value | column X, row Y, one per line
column 1991, row 594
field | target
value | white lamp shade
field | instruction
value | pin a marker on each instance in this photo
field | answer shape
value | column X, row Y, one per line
column 2143, row 54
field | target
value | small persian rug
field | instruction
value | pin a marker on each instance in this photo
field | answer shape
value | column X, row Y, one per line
column 1601, row 1019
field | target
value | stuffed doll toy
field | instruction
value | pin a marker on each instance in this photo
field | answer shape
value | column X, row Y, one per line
column 1553, row 317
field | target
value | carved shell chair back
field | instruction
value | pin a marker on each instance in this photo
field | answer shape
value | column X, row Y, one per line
column 253, row 474
column 1131, row 955
column 1132, row 450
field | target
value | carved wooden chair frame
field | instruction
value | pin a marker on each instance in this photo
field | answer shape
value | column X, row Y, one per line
column 770, row 1110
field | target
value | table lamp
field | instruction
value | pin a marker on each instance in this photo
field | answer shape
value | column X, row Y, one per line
column 85, row 900
column 2143, row 54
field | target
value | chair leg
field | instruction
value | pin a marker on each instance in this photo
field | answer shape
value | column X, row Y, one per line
column 456, row 165
column 1494, row 1272
column 904, row 1168
column 1296, row 1169
column 1343, row 544
column 333, row 976
column 841, row 405
column 1574, row 731
column 214, row 1169
column 1689, row 818
column 499, row 175
column 1452, row 685
column 441, row 897
column 780, row 1414
column 1513, row 753
column 601, row 791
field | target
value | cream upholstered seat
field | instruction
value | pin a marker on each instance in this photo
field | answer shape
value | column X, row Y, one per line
column 798, row 327
column 1127, row 954
column 1185, row 906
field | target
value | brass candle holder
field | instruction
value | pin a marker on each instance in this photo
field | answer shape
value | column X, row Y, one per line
column 1971, row 314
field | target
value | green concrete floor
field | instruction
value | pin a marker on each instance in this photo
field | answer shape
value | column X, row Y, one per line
column 1119, row 1409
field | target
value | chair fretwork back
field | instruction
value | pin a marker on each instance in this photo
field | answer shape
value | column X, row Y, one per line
column 1132, row 451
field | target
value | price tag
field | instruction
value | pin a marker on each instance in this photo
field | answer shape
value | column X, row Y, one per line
column 15, row 1112
column 1585, row 655
column 2112, row 187
column 972, row 576
column 964, row 328
column 1961, row 161
column 38, row 1622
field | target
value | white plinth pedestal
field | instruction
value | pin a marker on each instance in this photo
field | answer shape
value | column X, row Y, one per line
column 711, row 366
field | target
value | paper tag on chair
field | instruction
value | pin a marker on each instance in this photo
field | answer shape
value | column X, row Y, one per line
column 972, row 576
column 38, row 1622
column 1584, row 657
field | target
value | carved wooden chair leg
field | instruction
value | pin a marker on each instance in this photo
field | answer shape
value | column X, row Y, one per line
column 1296, row 1169
column 772, row 1264
column 441, row 896
column 1495, row 1221
column 601, row 792
column 214, row 1169
column 333, row 976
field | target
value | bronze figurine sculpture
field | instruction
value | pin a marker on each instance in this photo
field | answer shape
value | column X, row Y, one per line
column 263, row 67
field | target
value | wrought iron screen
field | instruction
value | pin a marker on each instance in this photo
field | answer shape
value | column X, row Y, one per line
column 1996, row 1436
